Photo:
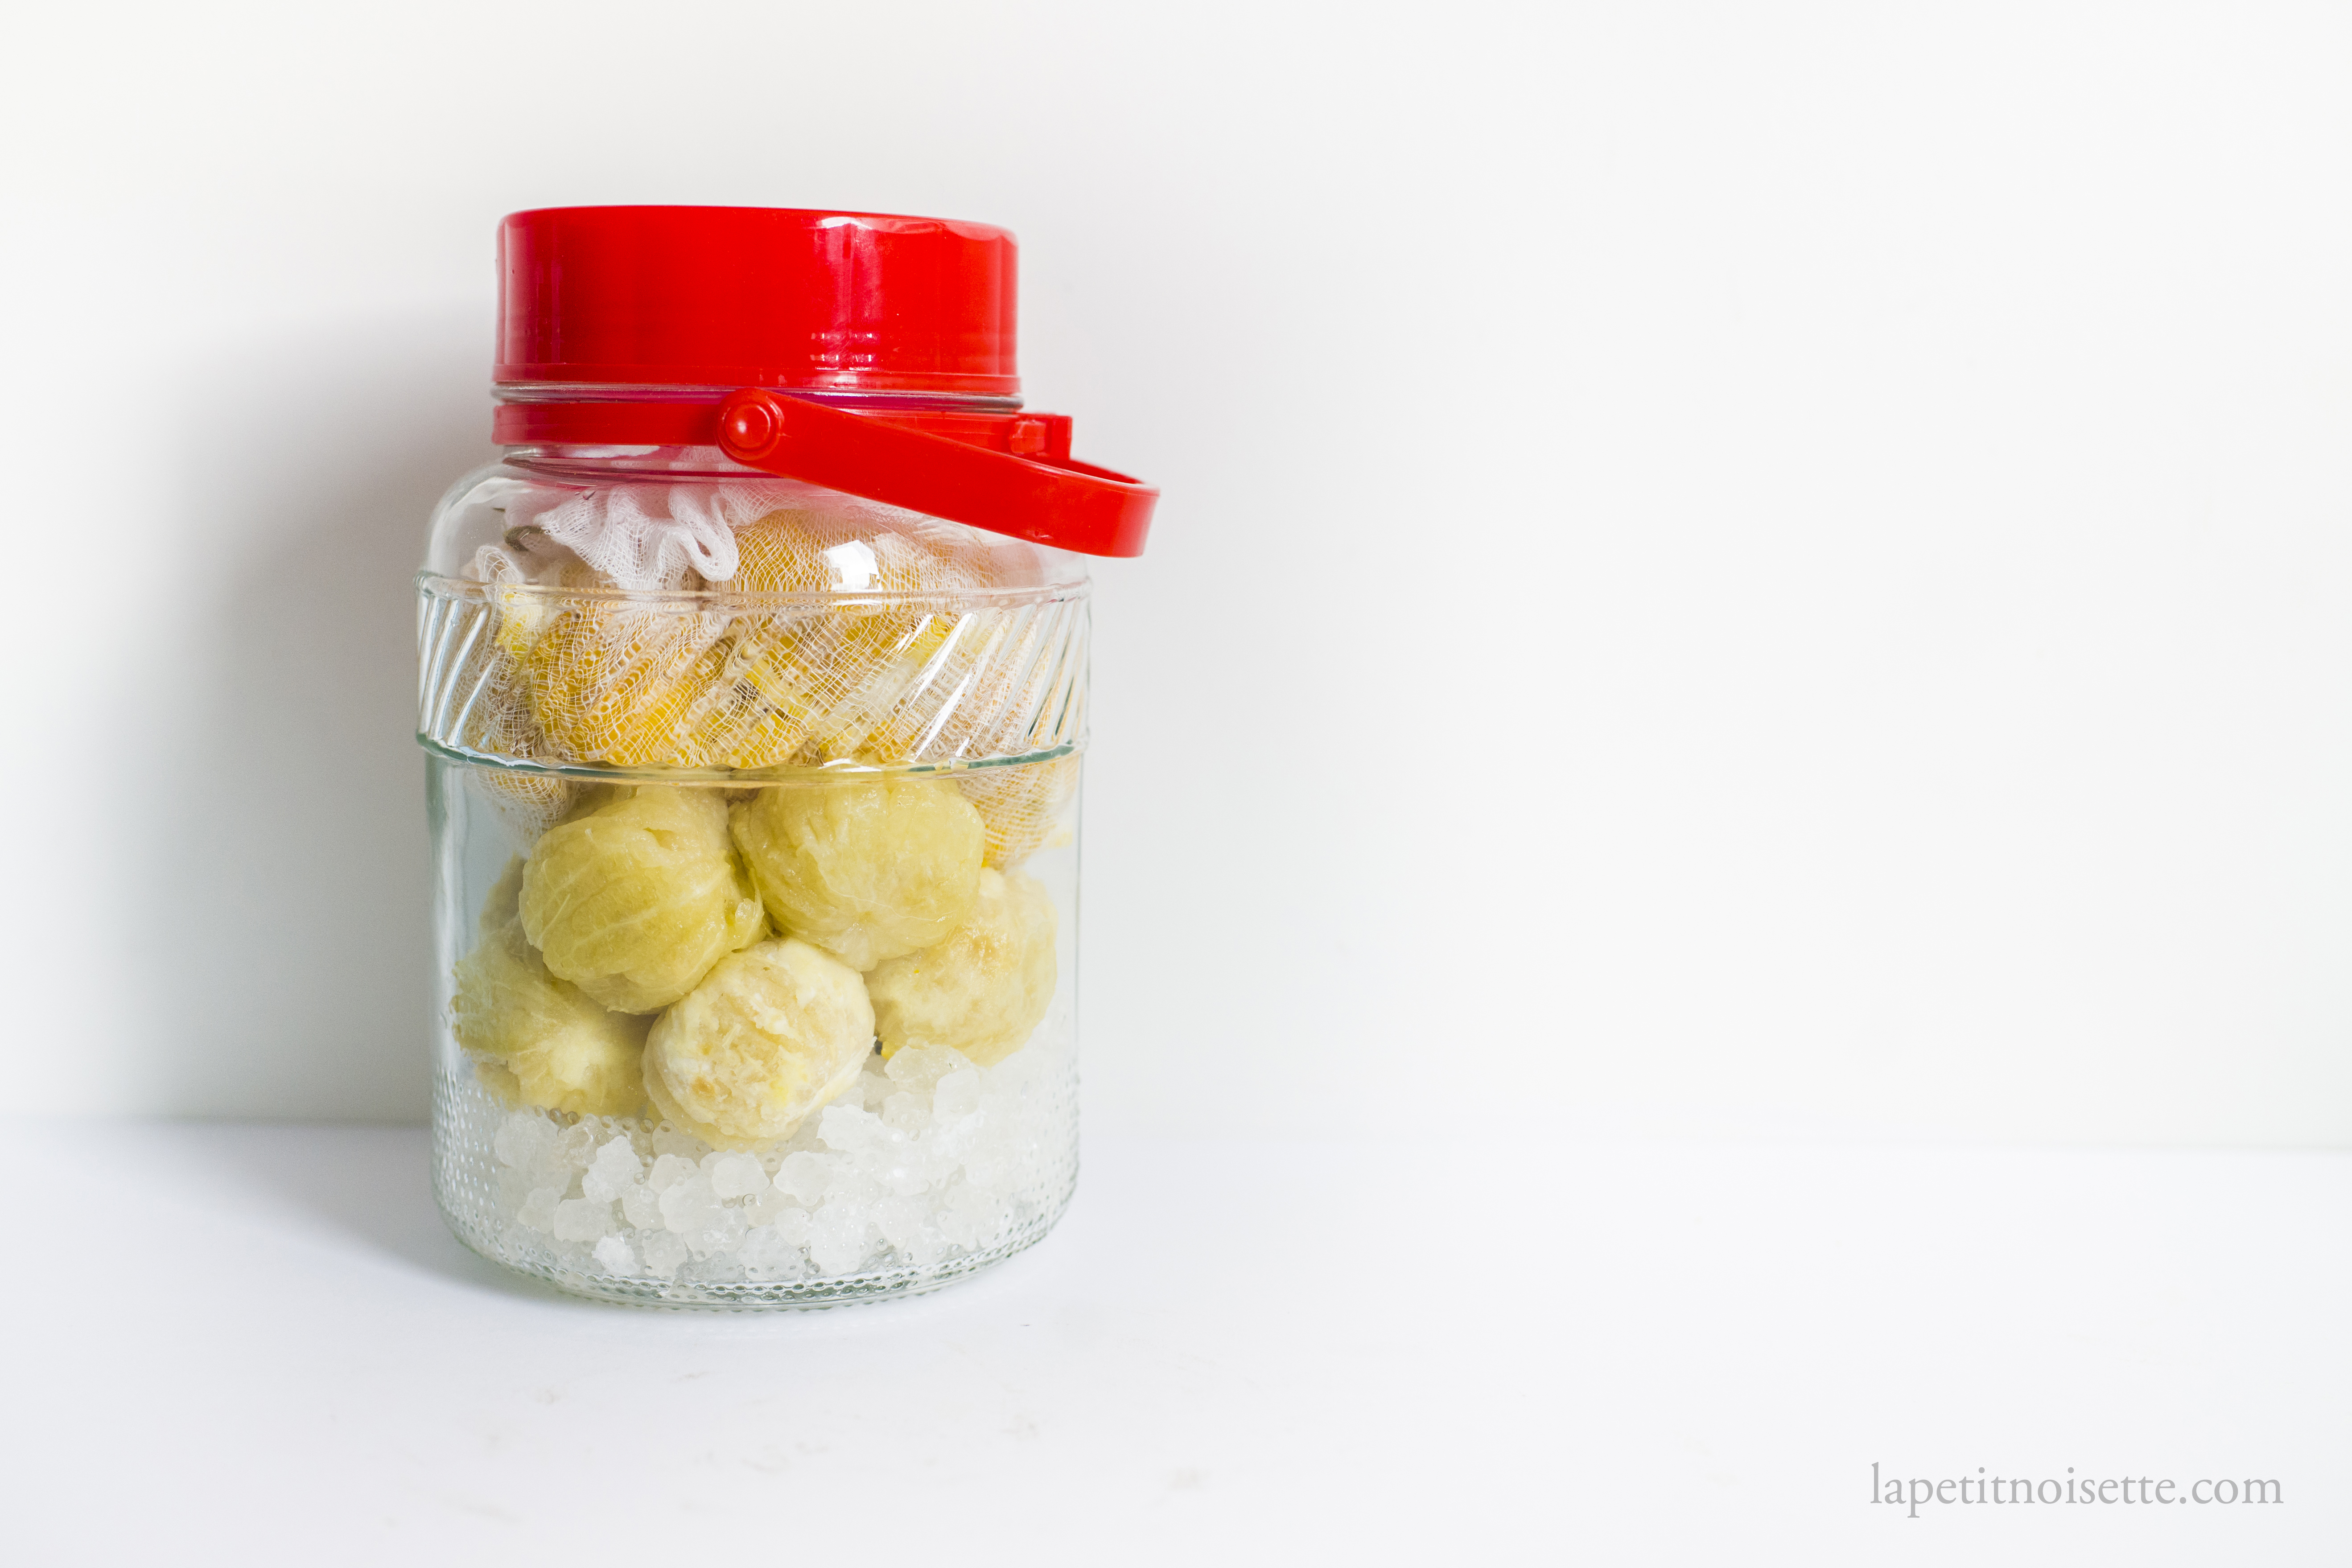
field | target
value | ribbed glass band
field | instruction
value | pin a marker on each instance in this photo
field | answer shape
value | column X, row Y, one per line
column 717, row 684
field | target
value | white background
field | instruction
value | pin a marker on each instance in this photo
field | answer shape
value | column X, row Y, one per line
column 1756, row 569
column 1774, row 575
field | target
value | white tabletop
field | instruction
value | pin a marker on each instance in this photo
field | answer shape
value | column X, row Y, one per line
column 259, row 1343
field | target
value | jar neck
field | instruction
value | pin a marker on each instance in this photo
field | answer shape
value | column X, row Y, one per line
column 601, row 465
column 546, row 391
column 606, row 430
column 670, row 428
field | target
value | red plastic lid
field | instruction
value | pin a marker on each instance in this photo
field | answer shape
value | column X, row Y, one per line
column 756, row 297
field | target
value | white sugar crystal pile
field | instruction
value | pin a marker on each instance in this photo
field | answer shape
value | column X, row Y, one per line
column 923, row 1158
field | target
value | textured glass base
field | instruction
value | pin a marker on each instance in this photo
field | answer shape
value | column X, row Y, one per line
column 758, row 1295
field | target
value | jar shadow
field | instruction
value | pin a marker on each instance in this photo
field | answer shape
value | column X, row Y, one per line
column 274, row 833
column 372, row 1185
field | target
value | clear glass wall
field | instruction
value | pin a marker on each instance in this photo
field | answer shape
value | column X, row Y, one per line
column 754, row 814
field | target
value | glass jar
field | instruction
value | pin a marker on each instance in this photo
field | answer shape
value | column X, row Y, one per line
column 754, row 716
